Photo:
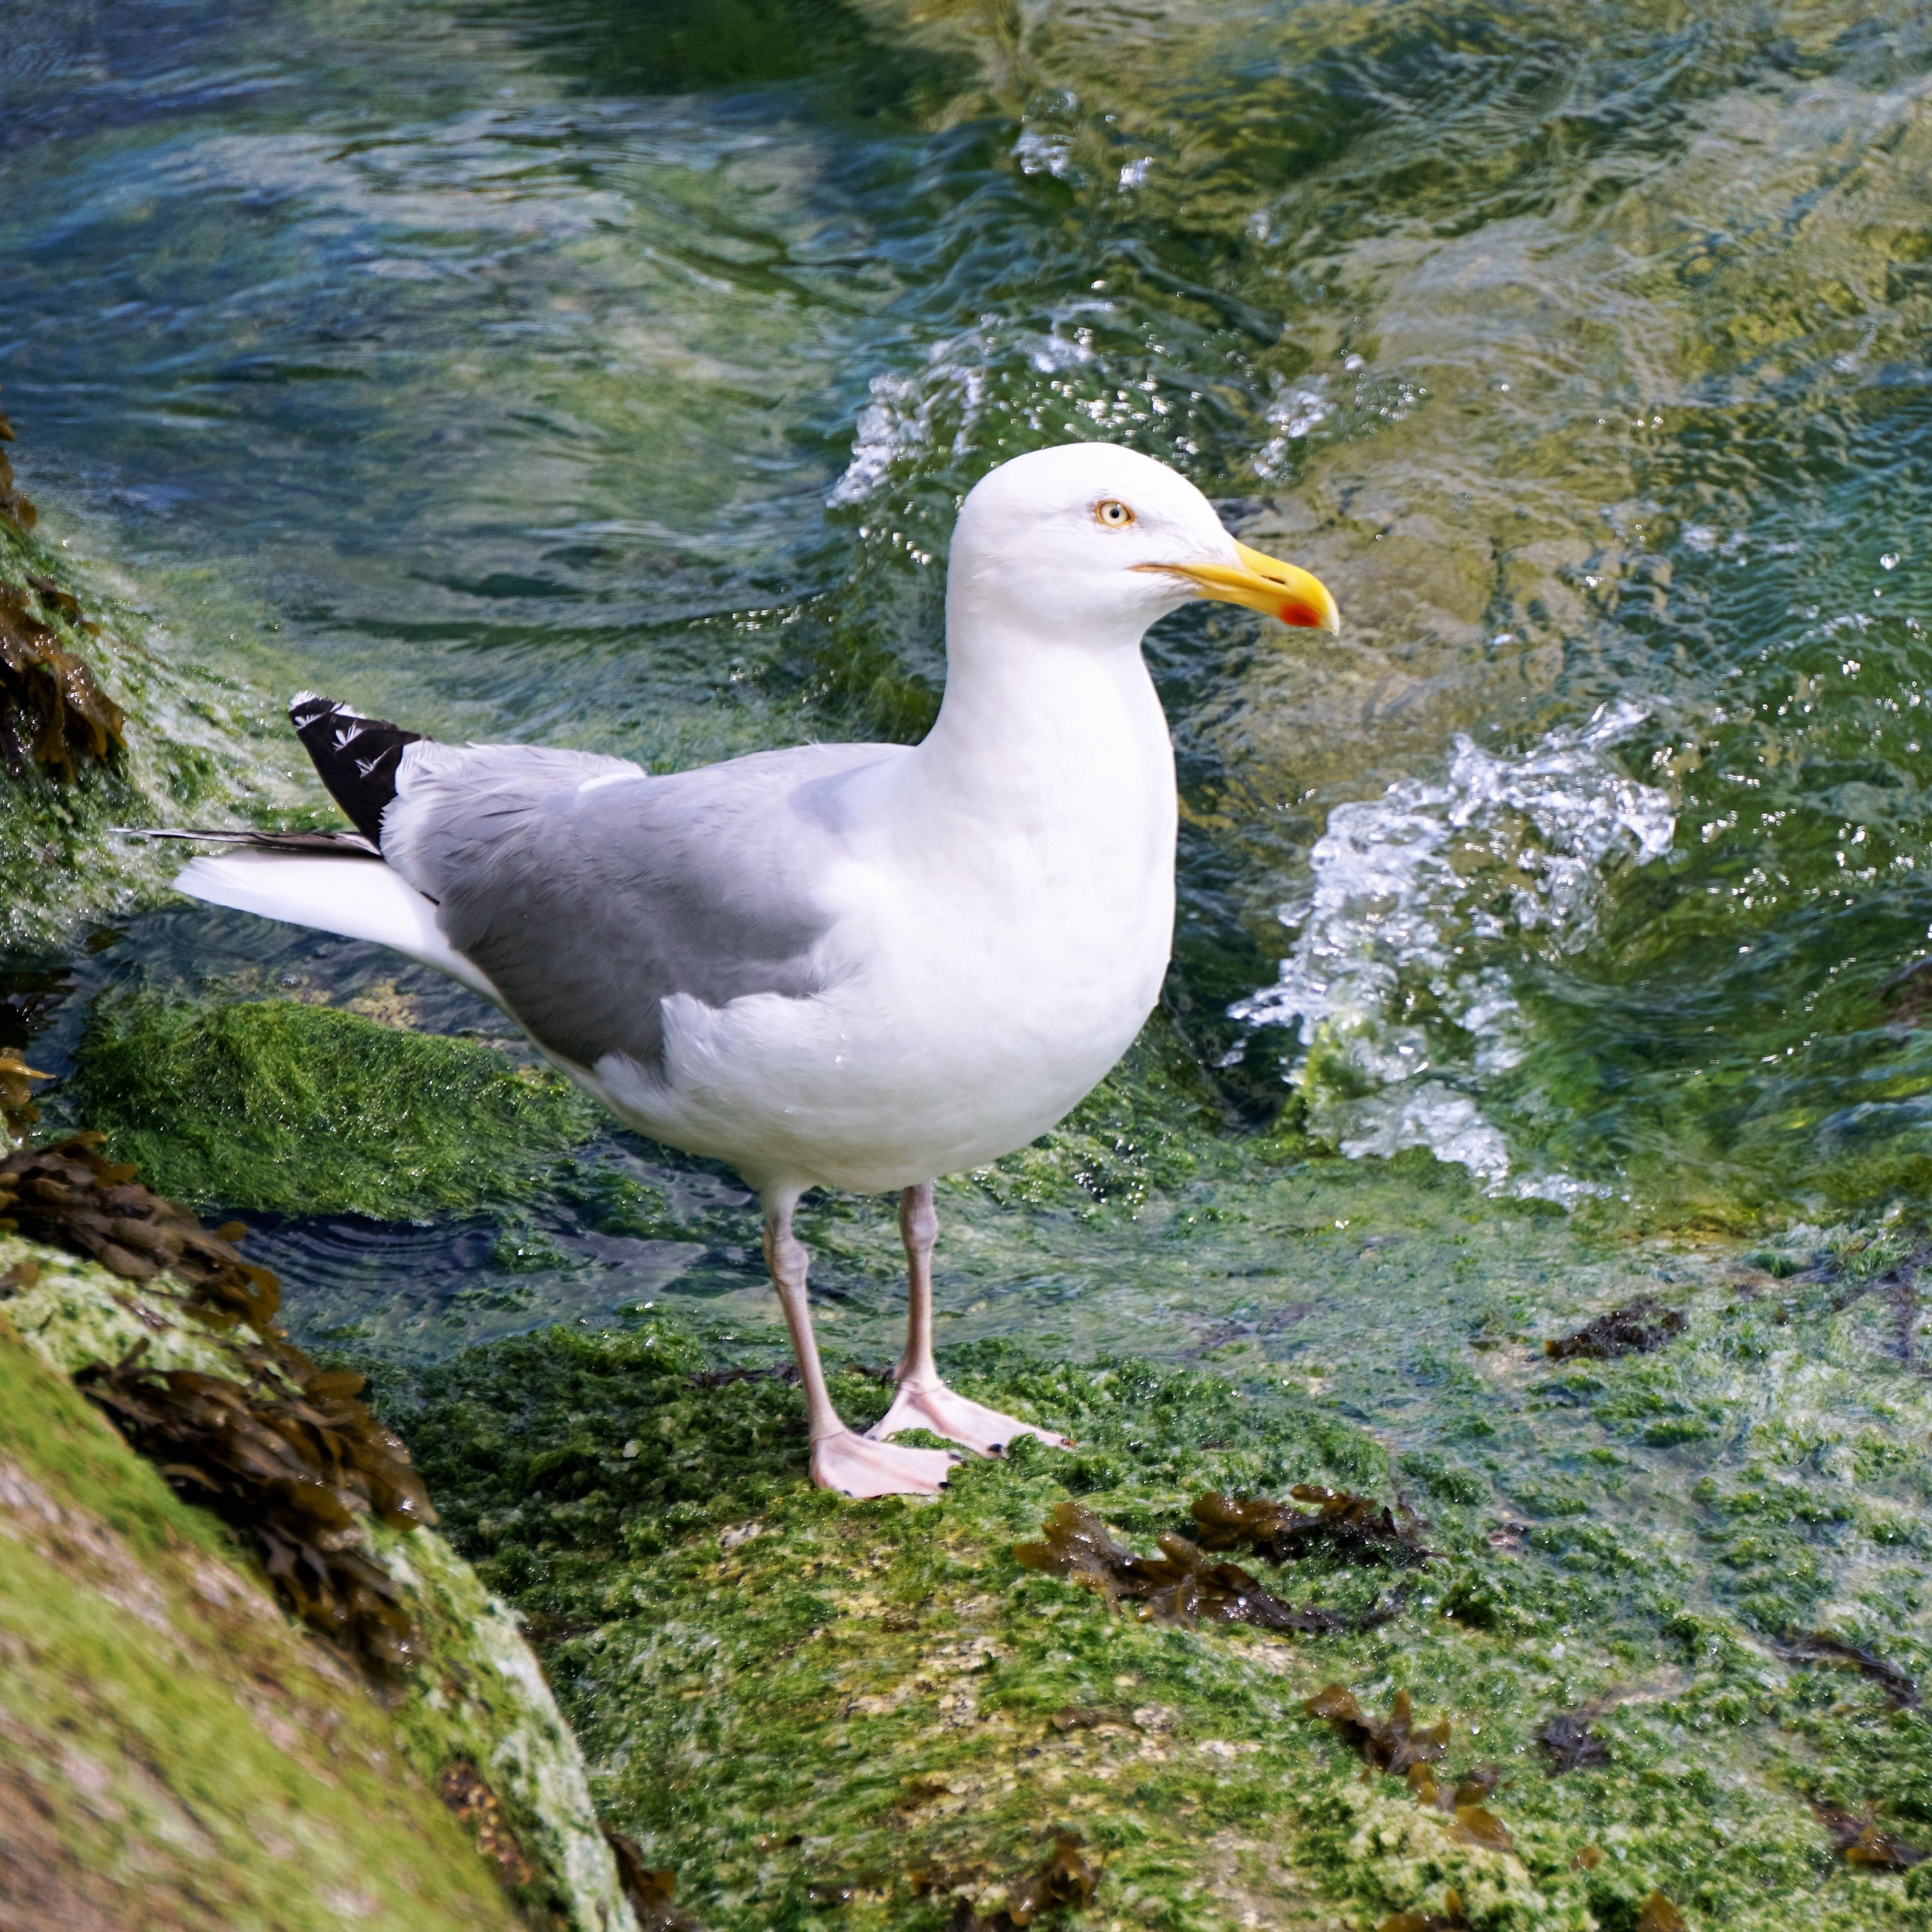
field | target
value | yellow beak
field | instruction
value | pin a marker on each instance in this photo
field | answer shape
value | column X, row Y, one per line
column 1263, row 583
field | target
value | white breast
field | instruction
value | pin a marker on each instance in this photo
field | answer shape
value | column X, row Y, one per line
column 999, row 944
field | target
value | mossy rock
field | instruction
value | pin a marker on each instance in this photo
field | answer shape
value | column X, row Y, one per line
column 279, row 1107
column 361, row 1772
column 823, row 1712
column 172, row 1753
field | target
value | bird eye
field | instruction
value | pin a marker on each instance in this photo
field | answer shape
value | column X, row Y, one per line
column 1112, row 514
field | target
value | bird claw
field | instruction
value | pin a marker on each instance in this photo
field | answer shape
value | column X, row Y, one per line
column 984, row 1431
column 856, row 1465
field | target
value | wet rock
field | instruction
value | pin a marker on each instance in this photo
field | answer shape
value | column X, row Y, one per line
column 275, row 1106
column 478, row 1810
column 465, row 1690
column 174, row 1753
column 178, row 740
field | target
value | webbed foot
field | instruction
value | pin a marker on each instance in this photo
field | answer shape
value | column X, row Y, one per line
column 984, row 1431
column 857, row 1465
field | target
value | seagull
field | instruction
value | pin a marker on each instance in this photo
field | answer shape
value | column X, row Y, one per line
column 859, row 966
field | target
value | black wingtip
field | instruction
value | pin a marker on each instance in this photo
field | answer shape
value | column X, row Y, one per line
column 355, row 758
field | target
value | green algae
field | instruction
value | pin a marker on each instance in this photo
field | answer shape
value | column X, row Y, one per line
column 787, row 1696
column 282, row 1107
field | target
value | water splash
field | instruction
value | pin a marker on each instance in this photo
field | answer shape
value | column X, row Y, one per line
column 1399, row 983
column 940, row 406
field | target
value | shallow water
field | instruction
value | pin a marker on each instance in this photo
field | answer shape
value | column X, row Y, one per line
column 608, row 375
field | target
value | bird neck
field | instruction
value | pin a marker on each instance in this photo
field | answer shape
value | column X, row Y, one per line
column 1048, row 740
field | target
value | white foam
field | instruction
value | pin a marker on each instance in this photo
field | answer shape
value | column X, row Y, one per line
column 909, row 416
column 1438, row 889
column 1039, row 153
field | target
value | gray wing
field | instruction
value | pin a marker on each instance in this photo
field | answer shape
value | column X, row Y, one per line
column 588, row 891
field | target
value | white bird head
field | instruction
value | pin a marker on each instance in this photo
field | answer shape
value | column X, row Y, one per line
column 1091, row 542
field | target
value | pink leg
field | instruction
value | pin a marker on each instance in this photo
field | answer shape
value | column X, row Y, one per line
column 923, row 1401
column 840, row 1459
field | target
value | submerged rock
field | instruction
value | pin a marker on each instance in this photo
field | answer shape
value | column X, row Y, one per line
column 1636, row 1329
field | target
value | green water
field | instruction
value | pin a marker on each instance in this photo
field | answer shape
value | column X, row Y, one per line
column 609, row 375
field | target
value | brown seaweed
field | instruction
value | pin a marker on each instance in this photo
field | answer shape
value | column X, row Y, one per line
column 55, row 598
column 1657, row 1914
column 1813, row 1647
column 1860, row 1842
column 1212, row 1335
column 1571, row 1745
column 1065, row 1881
column 17, row 510
column 1907, row 994
column 1449, row 1919
column 1394, row 1744
column 1352, row 1528
column 652, row 1894
column 479, row 1811
column 17, row 1110
column 288, row 1473
column 289, row 1459
column 1391, row 1744
column 712, row 1378
column 52, row 711
column 69, row 1196
column 1181, row 1586
column 1635, row 1329
column 1465, row 1801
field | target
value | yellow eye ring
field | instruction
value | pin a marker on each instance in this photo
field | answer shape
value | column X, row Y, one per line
column 1110, row 514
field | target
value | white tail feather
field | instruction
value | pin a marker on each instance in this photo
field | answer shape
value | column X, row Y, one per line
column 360, row 898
